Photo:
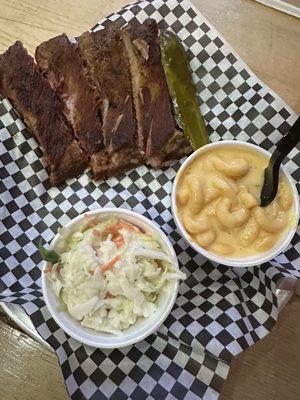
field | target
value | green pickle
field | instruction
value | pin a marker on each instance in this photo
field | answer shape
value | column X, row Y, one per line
column 182, row 90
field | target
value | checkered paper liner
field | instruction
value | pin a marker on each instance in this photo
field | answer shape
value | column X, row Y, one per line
column 219, row 311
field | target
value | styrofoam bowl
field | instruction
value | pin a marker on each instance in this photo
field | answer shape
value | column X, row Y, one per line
column 144, row 326
column 246, row 261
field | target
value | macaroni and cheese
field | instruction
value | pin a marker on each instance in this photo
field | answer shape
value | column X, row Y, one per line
column 218, row 203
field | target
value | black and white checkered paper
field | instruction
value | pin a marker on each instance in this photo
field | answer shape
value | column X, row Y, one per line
column 219, row 311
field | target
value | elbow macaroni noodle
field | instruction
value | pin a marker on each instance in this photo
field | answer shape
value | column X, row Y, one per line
column 218, row 203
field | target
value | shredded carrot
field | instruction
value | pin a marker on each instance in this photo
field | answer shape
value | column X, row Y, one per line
column 118, row 241
column 48, row 269
column 114, row 229
column 128, row 226
column 110, row 264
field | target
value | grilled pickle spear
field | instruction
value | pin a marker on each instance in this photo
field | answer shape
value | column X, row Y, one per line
column 182, row 90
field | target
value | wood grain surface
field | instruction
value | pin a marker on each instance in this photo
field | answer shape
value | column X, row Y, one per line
column 269, row 42
column 28, row 370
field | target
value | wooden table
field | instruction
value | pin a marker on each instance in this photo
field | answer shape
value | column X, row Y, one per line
column 269, row 42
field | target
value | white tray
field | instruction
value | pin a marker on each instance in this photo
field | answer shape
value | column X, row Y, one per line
column 291, row 7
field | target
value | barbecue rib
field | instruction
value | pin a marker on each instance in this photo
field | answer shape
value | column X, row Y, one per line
column 107, row 62
column 41, row 109
column 61, row 64
column 157, row 132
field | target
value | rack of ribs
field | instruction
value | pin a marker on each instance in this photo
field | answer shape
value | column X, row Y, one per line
column 102, row 101
column 158, row 135
column 41, row 110
column 63, row 67
column 106, row 60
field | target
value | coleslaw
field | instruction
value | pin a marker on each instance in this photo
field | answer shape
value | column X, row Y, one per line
column 110, row 273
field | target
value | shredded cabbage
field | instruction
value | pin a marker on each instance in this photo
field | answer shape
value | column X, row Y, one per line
column 110, row 274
